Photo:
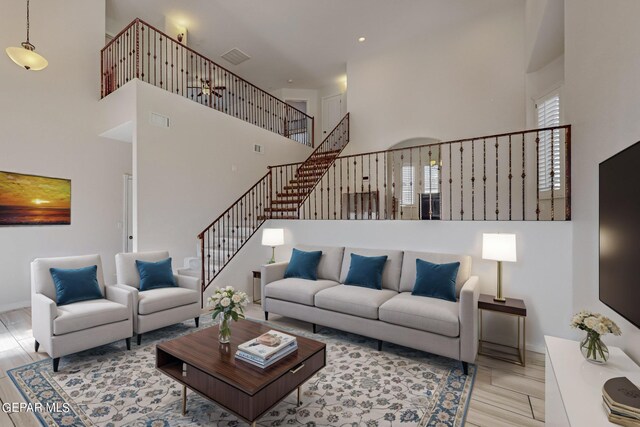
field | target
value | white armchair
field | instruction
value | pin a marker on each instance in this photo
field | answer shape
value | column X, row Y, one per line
column 157, row 308
column 66, row 329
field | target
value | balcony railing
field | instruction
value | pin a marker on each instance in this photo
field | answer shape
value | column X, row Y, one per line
column 142, row 51
column 519, row 176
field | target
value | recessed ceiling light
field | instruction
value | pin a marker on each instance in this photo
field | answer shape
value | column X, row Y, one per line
column 361, row 39
column 290, row 81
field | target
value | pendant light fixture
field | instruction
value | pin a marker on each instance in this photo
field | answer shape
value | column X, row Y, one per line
column 26, row 55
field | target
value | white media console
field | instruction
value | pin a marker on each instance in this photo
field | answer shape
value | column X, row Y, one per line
column 573, row 386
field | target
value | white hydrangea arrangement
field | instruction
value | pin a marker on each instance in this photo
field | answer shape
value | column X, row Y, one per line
column 595, row 325
column 228, row 304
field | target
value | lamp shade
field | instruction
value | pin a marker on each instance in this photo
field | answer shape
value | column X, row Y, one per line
column 273, row 237
column 499, row 247
column 27, row 58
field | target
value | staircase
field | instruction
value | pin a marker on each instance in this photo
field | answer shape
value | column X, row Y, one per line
column 277, row 195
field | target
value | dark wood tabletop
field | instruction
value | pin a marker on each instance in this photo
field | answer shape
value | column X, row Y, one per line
column 202, row 350
column 510, row 306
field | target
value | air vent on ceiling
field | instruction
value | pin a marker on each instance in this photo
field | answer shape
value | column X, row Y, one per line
column 235, row 56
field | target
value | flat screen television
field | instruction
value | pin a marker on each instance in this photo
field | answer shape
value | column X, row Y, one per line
column 620, row 233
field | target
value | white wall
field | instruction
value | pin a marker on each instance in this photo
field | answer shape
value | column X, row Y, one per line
column 188, row 174
column 50, row 127
column 540, row 83
column 542, row 275
column 464, row 82
column 602, row 65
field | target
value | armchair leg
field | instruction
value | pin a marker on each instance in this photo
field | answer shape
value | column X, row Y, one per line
column 379, row 345
column 465, row 368
column 139, row 339
column 56, row 363
column 197, row 320
column 128, row 341
column 266, row 315
column 315, row 327
column 37, row 346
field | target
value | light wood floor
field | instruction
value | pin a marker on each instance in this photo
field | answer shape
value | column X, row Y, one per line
column 503, row 395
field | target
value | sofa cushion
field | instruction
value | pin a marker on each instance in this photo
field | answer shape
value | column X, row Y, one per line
column 408, row 278
column 88, row 314
column 154, row 275
column 155, row 300
column 303, row 265
column 76, row 284
column 391, row 272
column 330, row 261
column 366, row 271
column 296, row 290
column 423, row 313
column 436, row 280
column 126, row 270
column 353, row 300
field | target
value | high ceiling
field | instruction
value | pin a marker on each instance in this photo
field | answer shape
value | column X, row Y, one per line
column 306, row 41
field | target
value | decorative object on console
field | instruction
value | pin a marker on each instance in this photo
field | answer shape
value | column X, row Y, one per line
column 273, row 237
column 595, row 325
column 34, row 200
column 303, row 265
column 499, row 247
column 26, row 56
column 229, row 304
column 621, row 401
column 436, row 280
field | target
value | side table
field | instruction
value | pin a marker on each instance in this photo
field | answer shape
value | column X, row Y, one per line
column 511, row 307
column 256, row 275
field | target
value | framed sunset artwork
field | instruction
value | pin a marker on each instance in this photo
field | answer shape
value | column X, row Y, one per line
column 34, row 200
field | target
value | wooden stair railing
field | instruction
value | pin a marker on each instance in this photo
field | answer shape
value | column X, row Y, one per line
column 142, row 51
column 277, row 195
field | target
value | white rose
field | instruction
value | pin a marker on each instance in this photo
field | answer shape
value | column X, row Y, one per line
column 229, row 288
column 225, row 302
column 590, row 322
column 236, row 298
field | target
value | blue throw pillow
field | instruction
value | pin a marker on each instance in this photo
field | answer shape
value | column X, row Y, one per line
column 366, row 271
column 436, row 280
column 303, row 265
column 76, row 284
column 154, row 275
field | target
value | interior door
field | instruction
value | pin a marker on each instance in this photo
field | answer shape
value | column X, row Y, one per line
column 128, row 214
column 331, row 113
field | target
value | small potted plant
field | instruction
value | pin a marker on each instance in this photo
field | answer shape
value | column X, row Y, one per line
column 228, row 304
column 595, row 325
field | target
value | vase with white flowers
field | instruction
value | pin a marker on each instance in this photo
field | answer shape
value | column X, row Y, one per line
column 595, row 325
column 228, row 304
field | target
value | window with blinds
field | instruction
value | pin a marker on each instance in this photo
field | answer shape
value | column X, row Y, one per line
column 407, row 185
column 548, row 109
column 431, row 179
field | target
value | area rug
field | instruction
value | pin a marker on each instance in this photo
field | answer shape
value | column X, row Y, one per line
column 360, row 386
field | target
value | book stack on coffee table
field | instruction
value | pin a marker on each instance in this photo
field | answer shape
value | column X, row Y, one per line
column 267, row 349
column 621, row 400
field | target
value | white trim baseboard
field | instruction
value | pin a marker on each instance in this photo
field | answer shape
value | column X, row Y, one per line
column 14, row 305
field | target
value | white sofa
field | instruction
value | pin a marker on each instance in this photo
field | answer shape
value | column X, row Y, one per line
column 70, row 328
column 391, row 314
column 157, row 308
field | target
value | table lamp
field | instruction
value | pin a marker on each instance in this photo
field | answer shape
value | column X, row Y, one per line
column 273, row 237
column 499, row 247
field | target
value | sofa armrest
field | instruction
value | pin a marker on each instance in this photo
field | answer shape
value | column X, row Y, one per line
column 43, row 311
column 120, row 295
column 469, row 295
column 270, row 273
column 189, row 282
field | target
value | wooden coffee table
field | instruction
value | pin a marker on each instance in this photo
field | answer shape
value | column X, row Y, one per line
column 199, row 362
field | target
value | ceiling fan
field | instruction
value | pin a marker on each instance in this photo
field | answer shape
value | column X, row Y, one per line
column 207, row 89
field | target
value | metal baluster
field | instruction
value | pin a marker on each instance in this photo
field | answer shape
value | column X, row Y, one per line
column 461, row 182
column 510, row 178
column 484, row 179
column 450, row 185
column 497, row 181
column 552, row 173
